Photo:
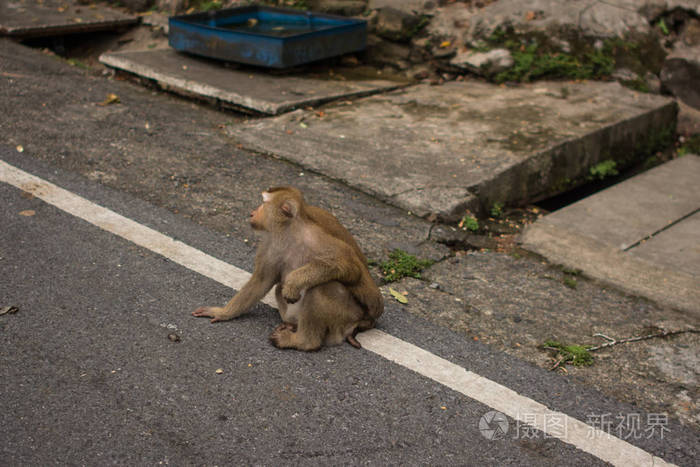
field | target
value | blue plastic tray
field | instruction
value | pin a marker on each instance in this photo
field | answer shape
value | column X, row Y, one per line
column 266, row 36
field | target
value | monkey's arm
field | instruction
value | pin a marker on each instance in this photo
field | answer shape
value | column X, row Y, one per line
column 251, row 293
column 345, row 270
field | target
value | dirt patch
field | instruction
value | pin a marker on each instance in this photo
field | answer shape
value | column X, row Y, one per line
column 516, row 302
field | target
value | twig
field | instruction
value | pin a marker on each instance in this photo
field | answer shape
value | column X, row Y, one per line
column 559, row 362
column 612, row 341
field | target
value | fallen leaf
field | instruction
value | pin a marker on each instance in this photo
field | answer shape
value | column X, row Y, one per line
column 530, row 15
column 110, row 99
column 20, row 148
column 445, row 44
column 398, row 296
column 8, row 310
column 27, row 213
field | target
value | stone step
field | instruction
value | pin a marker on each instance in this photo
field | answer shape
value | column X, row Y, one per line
column 467, row 145
column 642, row 235
column 23, row 19
column 245, row 89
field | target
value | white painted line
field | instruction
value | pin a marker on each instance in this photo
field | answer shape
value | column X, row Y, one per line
column 500, row 398
column 505, row 400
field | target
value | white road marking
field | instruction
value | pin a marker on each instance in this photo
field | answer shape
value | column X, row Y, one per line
column 500, row 398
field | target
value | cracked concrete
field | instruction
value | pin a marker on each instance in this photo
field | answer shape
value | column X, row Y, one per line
column 468, row 145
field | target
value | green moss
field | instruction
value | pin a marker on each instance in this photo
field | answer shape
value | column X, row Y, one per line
column 536, row 57
column 496, row 210
column 206, row 5
column 401, row 265
column 638, row 84
column 77, row 63
column 603, row 169
column 690, row 146
column 574, row 354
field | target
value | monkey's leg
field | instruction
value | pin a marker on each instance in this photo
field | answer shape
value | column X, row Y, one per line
column 308, row 335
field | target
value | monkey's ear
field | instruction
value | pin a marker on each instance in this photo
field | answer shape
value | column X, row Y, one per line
column 290, row 208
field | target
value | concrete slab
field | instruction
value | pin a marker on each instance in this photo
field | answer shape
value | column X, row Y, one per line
column 468, row 145
column 678, row 246
column 32, row 18
column 244, row 89
column 637, row 208
column 642, row 235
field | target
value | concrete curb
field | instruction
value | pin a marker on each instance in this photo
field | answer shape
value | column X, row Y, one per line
column 611, row 265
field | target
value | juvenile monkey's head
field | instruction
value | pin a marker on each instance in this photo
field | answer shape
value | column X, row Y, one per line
column 280, row 206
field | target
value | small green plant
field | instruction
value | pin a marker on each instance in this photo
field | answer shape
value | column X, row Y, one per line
column 532, row 61
column 497, row 210
column 469, row 223
column 603, row 169
column 207, row 5
column 638, row 84
column 77, row 63
column 690, row 146
column 577, row 355
column 662, row 26
column 401, row 264
column 570, row 282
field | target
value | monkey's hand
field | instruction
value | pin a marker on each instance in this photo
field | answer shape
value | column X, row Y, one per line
column 290, row 292
column 214, row 312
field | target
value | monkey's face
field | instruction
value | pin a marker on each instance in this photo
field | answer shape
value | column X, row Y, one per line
column 257, row 218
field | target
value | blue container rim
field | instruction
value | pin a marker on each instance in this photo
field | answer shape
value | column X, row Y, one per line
column 197, row 19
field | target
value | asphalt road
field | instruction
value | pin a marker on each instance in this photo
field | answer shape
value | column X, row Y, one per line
column 89, row 375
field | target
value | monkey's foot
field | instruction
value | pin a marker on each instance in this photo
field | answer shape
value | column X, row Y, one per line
column 287, row 326
column 284, row 338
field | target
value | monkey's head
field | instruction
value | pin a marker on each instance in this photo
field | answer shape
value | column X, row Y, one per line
column 281, row 205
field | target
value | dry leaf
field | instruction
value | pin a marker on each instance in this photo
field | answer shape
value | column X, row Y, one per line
column 445, row 44
column 110, row 99
column 398, row 296
column 8, row 310
column 20, row 148
column 27, row 213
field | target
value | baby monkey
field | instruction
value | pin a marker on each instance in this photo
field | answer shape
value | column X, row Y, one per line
column 324, row 291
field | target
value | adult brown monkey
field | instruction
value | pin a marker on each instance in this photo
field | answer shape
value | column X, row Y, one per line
column 324, row 291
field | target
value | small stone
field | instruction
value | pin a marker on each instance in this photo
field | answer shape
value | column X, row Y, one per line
column 484, row 63
column 434, row 285
column 395, row 25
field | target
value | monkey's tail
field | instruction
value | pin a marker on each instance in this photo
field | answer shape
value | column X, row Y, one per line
column 363, row 325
